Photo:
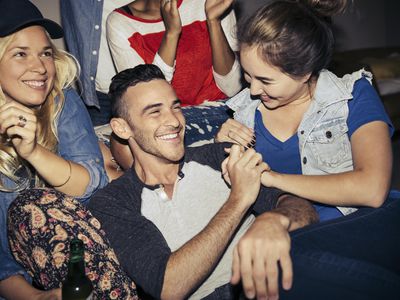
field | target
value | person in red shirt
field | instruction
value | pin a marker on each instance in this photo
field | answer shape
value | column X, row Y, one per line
column 191, row 41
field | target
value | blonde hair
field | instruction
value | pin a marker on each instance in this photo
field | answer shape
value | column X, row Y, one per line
column 67, row 70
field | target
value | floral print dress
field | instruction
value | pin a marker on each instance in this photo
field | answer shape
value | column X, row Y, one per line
column 42, row 222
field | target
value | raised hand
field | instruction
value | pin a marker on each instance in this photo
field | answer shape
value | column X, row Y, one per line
column 260, row 252
column 244, row 170
column 19, row 124
column 234, row 132
column 170, row 16
column 215, row 8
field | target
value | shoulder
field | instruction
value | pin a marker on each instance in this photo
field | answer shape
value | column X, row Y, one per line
column 123, row 193
column 73, row 103
column 363, row 85
column 210, row 154
column 117, row 16
column 71, row 95
column 127, row 184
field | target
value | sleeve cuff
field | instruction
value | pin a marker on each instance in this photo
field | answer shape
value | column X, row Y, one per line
column 165, row 68
column 230, row 83
column 98, row 179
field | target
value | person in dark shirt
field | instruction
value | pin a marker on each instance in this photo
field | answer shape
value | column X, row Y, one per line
column 172, row 219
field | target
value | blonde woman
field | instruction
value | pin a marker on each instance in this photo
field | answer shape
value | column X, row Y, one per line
column 47, row 140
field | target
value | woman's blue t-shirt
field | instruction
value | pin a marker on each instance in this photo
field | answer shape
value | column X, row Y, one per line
column 284, row 157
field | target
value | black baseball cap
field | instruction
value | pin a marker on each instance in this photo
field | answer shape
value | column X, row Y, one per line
column 19, row 14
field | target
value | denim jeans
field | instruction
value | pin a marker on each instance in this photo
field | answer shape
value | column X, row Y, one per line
column 353, row 257
column 103, row 115
column 225, row 292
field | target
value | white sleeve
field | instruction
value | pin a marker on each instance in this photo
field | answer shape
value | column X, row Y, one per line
column 230, row 83
column 229, row 27
column 165, row 68
column 124, row 56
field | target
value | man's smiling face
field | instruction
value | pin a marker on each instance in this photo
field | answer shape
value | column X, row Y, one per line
column 156, row 119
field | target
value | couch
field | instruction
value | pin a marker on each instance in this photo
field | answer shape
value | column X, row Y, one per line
column 384, row 63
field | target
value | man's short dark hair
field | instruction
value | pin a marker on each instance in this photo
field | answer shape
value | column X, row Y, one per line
column 127, row 78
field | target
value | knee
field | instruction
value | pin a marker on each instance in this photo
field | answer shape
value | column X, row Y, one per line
column 29, row 201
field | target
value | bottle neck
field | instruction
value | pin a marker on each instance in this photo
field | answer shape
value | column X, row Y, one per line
column 76, row 266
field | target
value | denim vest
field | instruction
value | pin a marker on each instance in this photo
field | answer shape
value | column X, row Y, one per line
column 323, row 141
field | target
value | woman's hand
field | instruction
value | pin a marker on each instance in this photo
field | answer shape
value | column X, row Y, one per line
column 19, row 124
column 16, row 287
column 215, row 8
column 171, row 17
column 49, row 295
column 234, row 132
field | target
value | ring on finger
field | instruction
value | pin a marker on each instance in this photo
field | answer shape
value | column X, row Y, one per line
column 22, row 121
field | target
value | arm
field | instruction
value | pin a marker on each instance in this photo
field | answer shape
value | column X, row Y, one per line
column 119, row 30
column 366, row 185
column 17, row 288
column 173, row 28
column 267, row 244
column 225, row 65
column 56, row 171
column 184, row 269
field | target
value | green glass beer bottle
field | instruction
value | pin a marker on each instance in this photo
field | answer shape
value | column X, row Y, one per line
column 76, row 286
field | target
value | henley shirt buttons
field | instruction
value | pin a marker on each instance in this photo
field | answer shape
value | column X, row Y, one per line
column 91, row 78
column 96, row 27
column 94, row 52
column 302, row 132
column 328, row 134
column 304, row 160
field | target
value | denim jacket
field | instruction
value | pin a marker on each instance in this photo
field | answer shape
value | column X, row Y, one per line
column 82, row 35
column 78, row 143
column 323, row 141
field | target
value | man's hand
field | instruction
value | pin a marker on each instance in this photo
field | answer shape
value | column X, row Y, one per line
column 258, row 255
column 171, row 17
column 234, row 132
column 215, row 8
column 244, row 173
column 267, row 244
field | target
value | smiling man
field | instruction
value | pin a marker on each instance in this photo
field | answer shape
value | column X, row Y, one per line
column 172, row 219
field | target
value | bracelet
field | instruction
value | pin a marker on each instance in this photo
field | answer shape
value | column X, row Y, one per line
column 69, row 176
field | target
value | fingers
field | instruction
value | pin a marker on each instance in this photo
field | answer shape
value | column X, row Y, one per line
column 235, row 267
column 272, row 279
column 246, row 272
column 224, row 169
column 263, row 167
column 287, row 271
column 259, row 270
column 15, row 117
column 234, row 132
column 169, row 5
